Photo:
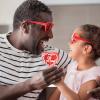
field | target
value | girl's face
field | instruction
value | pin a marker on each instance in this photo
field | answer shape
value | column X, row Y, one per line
column 77, row 48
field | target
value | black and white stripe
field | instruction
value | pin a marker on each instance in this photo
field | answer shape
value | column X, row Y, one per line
column 16, row 66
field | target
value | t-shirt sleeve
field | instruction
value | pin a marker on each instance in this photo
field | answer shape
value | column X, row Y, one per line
column 88, row 78
column 91, row 75
column 64, row 60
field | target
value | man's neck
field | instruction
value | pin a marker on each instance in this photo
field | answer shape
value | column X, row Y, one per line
column 14, row 40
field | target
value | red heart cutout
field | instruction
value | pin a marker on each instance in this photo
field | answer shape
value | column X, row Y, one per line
column 50, row 58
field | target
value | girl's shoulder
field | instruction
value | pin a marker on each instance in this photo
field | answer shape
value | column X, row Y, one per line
column 91, row 74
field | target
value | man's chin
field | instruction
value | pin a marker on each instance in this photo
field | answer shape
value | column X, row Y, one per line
column 40, row 50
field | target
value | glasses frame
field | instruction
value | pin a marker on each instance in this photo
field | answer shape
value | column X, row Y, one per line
column 76, row 37
column 47, row 25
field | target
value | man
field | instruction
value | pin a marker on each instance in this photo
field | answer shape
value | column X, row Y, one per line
column 23, row 71
column 95, row 93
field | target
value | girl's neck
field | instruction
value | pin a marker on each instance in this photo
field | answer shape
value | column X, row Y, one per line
column 84, row 64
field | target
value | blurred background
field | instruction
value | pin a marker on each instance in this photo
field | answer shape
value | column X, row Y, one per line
column 67, row 15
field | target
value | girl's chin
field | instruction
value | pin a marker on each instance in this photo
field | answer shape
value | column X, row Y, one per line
column 70, row 55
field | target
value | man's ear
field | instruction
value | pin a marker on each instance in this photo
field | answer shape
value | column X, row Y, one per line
column 25, row 27
column 87, row 49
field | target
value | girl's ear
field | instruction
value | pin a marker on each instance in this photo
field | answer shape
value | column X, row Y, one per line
column 87, row 49
column 25, row 27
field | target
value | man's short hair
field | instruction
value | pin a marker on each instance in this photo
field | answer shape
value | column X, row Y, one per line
column 29, row 9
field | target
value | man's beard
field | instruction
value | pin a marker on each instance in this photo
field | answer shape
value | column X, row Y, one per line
column 37, row 48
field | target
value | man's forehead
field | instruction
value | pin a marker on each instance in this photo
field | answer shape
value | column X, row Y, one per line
column 45, row 17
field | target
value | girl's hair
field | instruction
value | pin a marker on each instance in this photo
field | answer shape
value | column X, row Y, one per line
column 92, row 34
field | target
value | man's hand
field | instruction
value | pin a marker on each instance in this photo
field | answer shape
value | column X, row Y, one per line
column 98, row 80
column 46, row 77
column 95, row 93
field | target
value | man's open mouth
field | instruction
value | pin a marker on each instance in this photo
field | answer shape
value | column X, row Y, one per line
column 44, row 40
column 41, row 45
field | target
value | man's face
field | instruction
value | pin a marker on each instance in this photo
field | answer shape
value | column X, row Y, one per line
column 38, row 33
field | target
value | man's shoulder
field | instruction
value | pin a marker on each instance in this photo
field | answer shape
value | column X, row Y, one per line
column 2, row 36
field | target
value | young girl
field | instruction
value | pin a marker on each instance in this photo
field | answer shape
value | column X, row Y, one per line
column 81, row 76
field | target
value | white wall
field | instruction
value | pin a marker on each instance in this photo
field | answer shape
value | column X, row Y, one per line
column 69, row 2
column 67, row 18
column 7, row 7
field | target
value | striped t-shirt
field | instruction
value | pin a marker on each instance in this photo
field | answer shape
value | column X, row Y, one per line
column 17, row 65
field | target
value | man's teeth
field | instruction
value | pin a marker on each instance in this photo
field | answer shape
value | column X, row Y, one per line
column 41, row 41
